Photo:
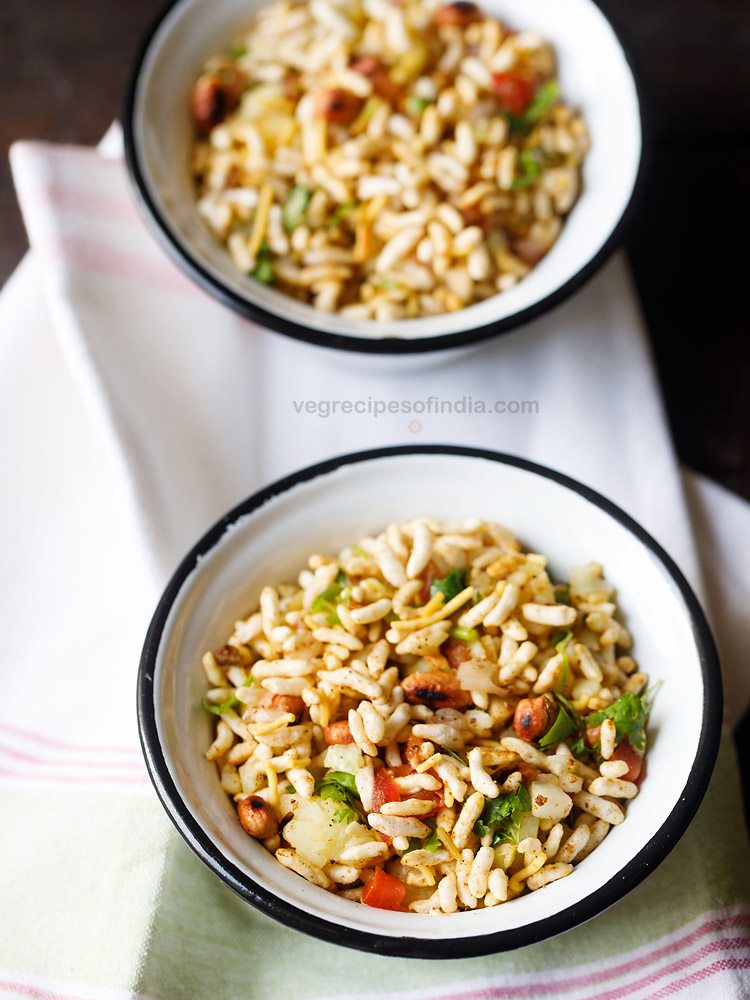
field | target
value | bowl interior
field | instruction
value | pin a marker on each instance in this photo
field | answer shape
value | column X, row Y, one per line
column 594, row 76
column 272, row 543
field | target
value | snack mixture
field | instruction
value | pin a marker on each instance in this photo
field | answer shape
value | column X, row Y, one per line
column 385, row 160
column 427, row 721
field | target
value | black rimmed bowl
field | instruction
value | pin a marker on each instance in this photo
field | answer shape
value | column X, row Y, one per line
column 268, row 538
column 594, row 74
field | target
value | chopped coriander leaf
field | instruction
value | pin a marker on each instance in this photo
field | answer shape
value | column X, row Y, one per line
column 238, row 50
column 249, row 681
column 369, row 110
column 290, row 790
column 546, row 95
column 467, row 634
column 531, row 168
column 450, row 585
column 560, row 641
column 327, row 601
column 263, row 271
column 562, row 594
column 295, row 207
column 433, row 842
column 455, row 756
column 501, row 816
column 574, row 726
column 629, row 716
column 341, row 211
column 340, row 786
column 346, row 815
column 415, row 105
column 359, row 551
column 342, row 778
column 560, row 730
column 385, row 284
column 221, row 707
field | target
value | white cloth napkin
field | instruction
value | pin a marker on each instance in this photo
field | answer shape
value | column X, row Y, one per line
column 135, row 410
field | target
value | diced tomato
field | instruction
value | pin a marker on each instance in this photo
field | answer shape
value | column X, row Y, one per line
column 431, row 573
column 384, row 891
column 428, row 796
column 632, row 758
column 514, row 91
column 411, row 749
column 385, row 789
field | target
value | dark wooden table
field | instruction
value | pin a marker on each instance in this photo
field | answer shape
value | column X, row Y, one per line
column 63, row 68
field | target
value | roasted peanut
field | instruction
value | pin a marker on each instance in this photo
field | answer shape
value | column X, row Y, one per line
column 460, row 13
column 288, row 703
column 456, row 652
column 436, row 688
column 211, row 100
column 338, row 106
column 529, row 772
column 383, row 85
column 533, row 717
column 337, row 732
column 366, row 64
column 632, row 758
column 227, row 656
column 257, row 817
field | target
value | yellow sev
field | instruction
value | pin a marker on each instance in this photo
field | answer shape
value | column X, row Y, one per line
column 430, row 762
column 412, row 624
column 445, row 839
column 273, row 786
column 516, row 882
column 266, row 728
column 260, row 222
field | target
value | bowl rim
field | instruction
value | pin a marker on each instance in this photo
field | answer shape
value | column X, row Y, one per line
column 181, row 254
column 634, row 872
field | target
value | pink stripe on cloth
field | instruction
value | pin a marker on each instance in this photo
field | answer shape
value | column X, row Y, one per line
column 670, row 969
column 604, row 975
column 36, row 992
column 722, row 965
column 90, row 203
column 57, row 762
column 104, row 259
column 76, row 779
column 46, row 740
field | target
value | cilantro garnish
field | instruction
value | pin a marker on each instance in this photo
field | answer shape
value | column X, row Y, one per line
column 327, row 601
column 340, row 212
column 560, row 641
column 222, row 706
column 295, row 207
column 545, row 96
column 501, row 816
column 415, row 105
column 467, row 634
column 263, row 270
column 340, row 786
column 629, row 716
column 449, row 585
column 531, row 168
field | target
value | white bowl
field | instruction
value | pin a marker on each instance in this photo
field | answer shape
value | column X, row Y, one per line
column 268, row 537
column 594, row 75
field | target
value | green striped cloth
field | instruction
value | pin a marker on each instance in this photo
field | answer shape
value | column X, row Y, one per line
column 99, row 897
